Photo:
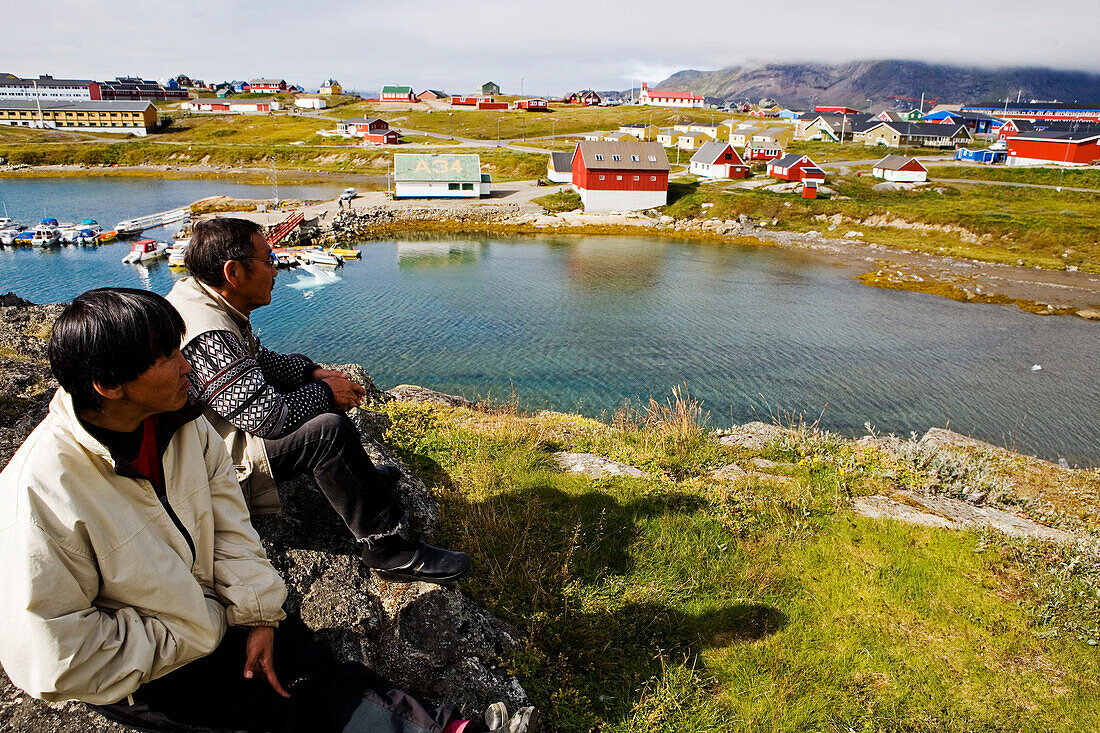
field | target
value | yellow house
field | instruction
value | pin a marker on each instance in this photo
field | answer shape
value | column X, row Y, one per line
column 640, row 131
column 134, row 118
column 331, row 86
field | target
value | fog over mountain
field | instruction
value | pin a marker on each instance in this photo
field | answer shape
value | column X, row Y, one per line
column 853, row 84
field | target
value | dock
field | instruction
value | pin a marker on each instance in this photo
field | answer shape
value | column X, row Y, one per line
column 140, row 224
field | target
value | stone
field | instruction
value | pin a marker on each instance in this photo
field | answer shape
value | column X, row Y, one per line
column 754, row 435
column 729, row 472
column 370, row 422
column 594, row 466
column 947, row 513
column 416, row 393
column 765, row 465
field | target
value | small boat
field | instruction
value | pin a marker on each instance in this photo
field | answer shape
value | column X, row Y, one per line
column 6, row 223
column 177, row 251
column 23, row 238
column 319, row 257
column 8, row 235
column 285, row 257
column 108, row 236
column 83, row 233
column 144, row 250
column 46, row 233
column 347, row 254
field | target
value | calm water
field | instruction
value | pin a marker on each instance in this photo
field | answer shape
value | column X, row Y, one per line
column 586, row 323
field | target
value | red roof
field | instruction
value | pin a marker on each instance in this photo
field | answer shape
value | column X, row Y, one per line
column 672, row 95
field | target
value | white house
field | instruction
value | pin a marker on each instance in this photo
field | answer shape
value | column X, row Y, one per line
column 231, row 106
column 439, row 175
column 310, row 102
column 559, row 168
column 900, row 169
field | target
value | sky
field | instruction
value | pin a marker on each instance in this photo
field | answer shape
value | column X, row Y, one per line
column 536, row 48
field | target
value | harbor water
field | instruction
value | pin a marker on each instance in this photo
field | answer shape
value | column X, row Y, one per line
column 587, row 323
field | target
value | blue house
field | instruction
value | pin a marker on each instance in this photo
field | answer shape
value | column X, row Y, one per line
column 981, row 156
column 977, row 121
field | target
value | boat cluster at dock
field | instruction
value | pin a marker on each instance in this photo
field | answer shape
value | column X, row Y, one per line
column 49, row 233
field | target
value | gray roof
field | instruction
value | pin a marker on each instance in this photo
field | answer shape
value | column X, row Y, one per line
column 709, row 152
column 1063, row 135
column 266, row 81
column 926, row 129
column 437, row 167
column 895, row 162
column 97, row 106
column 788, row 160
column 562, row 161
column 627, row 152
column 363, row 120
column 44, row 81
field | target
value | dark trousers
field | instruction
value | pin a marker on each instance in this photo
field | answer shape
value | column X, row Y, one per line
column 212, row 694
column 328, row 448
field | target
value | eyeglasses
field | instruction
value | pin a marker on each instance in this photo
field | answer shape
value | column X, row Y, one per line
column 271, row 259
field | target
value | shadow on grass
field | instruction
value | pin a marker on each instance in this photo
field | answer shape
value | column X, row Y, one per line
column 564, row 567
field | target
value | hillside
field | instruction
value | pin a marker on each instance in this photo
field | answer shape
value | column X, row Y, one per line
column 855, row 83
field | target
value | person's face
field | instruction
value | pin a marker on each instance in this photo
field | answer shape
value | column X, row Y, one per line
column 257, row 278
column 160, row 388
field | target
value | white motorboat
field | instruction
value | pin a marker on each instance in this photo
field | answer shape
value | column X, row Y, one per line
column 7, row 223
column 319, row 257
column 145, row 250
column 83, row 233
column 46, row 233
column 7, row 236
column 177, row 251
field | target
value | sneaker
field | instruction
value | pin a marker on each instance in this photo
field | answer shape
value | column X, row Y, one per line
column 497, row 720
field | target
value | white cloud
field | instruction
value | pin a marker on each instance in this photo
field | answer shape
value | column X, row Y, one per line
column 548, row 48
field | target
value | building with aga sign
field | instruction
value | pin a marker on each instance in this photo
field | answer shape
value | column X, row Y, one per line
column 441, row 175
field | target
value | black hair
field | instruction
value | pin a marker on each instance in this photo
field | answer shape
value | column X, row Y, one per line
column 110, row 336
column 216, row 241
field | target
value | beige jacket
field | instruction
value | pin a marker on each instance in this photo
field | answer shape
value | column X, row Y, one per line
column 100, row 591
column 204, row 310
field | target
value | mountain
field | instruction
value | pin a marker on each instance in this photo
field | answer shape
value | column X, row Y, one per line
column 853, row 84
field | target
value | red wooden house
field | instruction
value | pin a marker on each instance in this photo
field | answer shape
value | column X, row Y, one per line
column 795, row 167
column 718, row 160
column 1054, row 146
column 469, row 101
column 267, row 86
column 622, row 176
column 533, row 105
column 762, row 151
column 586, row 97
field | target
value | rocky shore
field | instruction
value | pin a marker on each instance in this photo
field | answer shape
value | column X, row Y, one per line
column 430, row 639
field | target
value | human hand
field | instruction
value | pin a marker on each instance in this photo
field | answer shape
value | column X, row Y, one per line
column 259, row 656
column 322, row 373
column 345, row 393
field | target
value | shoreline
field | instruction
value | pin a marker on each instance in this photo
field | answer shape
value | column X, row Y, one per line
column 509, row 211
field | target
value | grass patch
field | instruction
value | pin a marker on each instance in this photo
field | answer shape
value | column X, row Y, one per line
column 684, row 603
column 562, row 200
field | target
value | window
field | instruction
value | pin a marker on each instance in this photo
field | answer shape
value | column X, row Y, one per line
column 634, row 158
column 637, row 178
column 653, row 178
column 599, row 156
column 601, row 178
column 453, row 187
column 653, row 159
column 615, row 157
column 467, row 187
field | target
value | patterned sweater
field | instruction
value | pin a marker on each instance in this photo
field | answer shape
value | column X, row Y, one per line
column 269, row 395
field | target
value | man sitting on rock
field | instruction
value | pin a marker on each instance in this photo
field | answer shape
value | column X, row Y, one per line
column 130, row 575
column 282, row 416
